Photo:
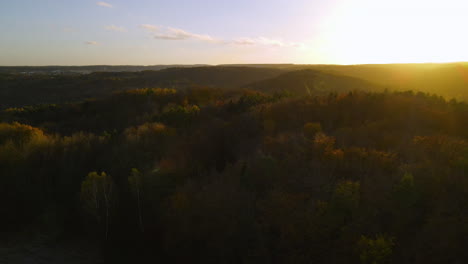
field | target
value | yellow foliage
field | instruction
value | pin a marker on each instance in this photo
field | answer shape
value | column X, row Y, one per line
column 324, row 142
column 153, row 91
column 17, row 141
column 144, row 131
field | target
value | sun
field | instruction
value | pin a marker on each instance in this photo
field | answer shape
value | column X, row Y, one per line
column 397, row 31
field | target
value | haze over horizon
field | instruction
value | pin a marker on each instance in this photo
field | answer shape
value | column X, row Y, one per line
column 145, row 32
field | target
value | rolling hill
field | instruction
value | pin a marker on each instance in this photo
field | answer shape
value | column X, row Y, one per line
column 447, row 79
column 313, row 82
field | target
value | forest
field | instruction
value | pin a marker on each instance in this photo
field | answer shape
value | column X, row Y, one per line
column 237, row 164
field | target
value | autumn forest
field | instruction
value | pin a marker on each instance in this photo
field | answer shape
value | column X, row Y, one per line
column 236, row 164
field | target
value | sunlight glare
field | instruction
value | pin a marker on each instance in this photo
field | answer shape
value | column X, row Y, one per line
column 398, row 31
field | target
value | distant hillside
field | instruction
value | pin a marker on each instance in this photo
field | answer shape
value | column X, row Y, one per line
column 219, row 76
column 86, row 69
column 447, row 79
column 20, row 89
column 312, row 82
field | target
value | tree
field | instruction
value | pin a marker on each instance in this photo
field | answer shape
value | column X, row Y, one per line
column 344, row 203
column 311, row 129
column 135, row 181
column 375, row 251
column 97, row 195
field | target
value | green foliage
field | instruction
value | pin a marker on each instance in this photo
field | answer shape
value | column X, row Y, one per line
column 375, row 251
column 96, row 193
column 346, row 195
column 344, row 205
column 405, row 189
column 179, row 116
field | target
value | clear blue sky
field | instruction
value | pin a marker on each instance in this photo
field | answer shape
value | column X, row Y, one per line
column 148, row 32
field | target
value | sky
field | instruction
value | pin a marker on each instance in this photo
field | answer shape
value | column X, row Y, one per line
column 151, row 32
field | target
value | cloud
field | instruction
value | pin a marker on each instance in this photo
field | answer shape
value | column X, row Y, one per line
column 91, row 43
column 265, row 42
column 151, row 28
column 170, row 33
column 243, row 41
column 104, row 4
column 115, row 28
column 180, row 34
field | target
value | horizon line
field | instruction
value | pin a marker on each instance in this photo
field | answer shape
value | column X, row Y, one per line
column 228, row 64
